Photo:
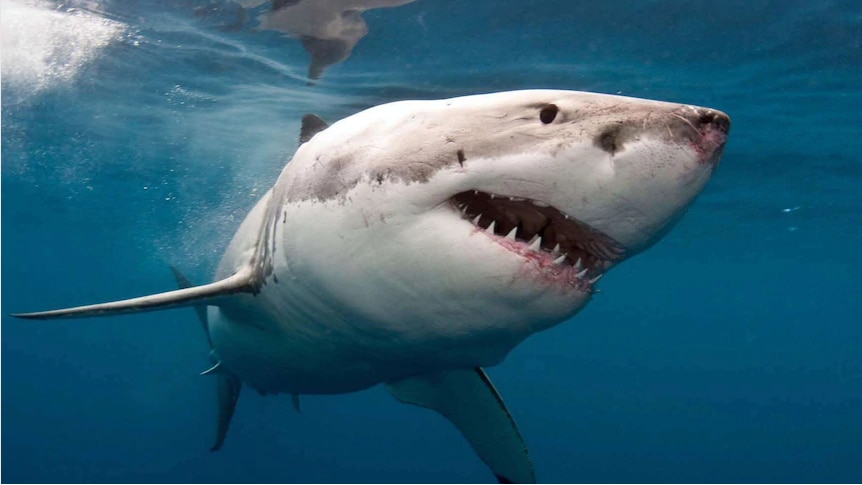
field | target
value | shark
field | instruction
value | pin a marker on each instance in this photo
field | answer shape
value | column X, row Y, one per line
column 415, row 243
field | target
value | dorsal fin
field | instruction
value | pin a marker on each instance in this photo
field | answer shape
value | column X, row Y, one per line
column 240, row 282
column 311, row 125
column 324, row 52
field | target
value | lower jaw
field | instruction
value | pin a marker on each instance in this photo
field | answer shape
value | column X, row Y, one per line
column 540, row 267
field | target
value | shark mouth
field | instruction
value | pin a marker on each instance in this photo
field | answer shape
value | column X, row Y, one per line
column 564, row 249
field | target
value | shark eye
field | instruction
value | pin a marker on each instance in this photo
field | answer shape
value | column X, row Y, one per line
column 548, row 113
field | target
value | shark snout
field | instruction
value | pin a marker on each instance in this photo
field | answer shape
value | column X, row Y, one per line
column 710, row 119
column 709, row 129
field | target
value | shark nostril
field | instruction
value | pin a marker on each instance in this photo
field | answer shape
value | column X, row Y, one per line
column 716, row 119
column 608, row 139
column 706, row 118
column 722, row 122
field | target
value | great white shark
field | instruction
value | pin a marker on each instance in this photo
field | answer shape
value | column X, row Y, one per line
column 416, row 242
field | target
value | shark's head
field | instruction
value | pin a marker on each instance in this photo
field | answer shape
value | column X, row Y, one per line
column 494, row 212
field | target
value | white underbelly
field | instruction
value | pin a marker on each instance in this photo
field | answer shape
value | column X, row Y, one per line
column 276, row 347
column 275, row 359
column 330, row 321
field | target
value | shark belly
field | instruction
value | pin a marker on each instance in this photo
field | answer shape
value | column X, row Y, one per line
column 282, row 339
column 283, row 342
column 330, row 321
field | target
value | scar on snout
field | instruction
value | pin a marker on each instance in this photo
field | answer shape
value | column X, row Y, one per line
column 461, row 157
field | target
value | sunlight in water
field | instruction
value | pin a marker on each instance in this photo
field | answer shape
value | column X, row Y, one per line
column 44, row 47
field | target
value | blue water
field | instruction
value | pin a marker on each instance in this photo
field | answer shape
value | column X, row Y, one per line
column 137, row 135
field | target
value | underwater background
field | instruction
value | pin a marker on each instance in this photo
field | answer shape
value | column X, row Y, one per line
column 138, row 134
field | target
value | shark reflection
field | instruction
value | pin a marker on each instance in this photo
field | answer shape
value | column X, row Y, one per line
column 328, row 29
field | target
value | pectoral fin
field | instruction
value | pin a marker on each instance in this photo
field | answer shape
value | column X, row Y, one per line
column 469, row 400
column 211, row 294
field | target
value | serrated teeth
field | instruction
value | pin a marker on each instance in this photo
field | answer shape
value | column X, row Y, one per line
column 537, row 244
column 597, row 278
column 556, row 249
column 559, row 261
column 476, row 220
column 511, row 235
column 493, row 196
column 578, row 265
column 581, row 274
column 491, row 227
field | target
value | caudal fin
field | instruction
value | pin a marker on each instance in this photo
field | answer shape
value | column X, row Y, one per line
column 240, row 282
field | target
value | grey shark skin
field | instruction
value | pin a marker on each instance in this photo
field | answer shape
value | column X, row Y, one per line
column 416, row 242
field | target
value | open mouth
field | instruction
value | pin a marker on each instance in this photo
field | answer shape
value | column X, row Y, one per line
column 562, row 247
